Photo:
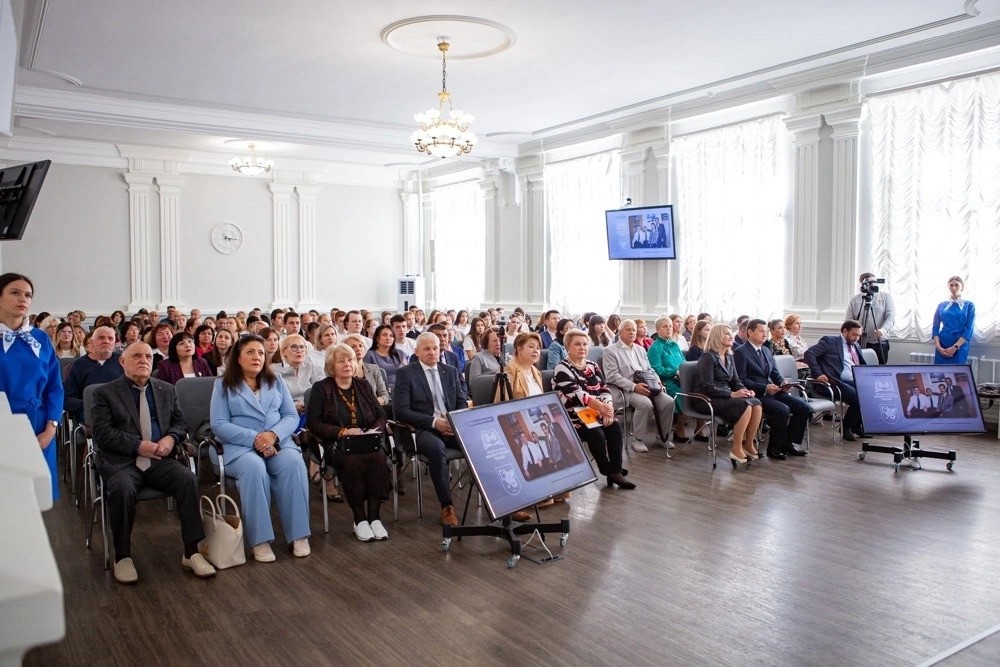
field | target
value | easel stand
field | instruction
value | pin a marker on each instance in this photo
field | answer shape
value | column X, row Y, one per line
column 507, row 531
column 910, row 453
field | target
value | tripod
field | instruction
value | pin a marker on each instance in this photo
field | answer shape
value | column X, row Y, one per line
column 867, row 318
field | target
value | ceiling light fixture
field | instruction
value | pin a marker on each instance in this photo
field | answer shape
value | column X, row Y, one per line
column 251, row 165
column 438, row 136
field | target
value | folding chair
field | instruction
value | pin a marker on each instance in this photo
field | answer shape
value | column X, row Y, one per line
column 786, row 366
column 195, row 397
column 697, row 407
column 404, row 445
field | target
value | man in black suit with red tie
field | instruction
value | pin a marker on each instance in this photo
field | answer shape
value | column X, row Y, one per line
column 830, row 360
column 424, row 393
column 787, row 415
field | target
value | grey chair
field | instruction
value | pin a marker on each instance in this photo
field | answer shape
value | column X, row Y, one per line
column 870, row 356
column 195, row 397
column 696, row 406
column 481, row 389
column 595, row 353
column 404, row 453
column 819, row 405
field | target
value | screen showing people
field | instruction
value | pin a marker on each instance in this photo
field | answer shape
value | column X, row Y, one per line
column 521, row 452
column 641, row 233
column 918, row 399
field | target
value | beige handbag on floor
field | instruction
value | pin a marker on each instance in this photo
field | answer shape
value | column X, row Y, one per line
column 223, row 543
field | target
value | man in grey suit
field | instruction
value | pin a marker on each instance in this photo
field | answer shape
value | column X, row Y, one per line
column 654, row 415
column 425, row 392
column 137, row 423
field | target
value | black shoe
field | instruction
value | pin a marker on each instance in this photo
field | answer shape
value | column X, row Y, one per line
column 795, row 451
column 848, row 436
column 619, row 481
column 864, row 436
column 776, row 455
column 765, row 429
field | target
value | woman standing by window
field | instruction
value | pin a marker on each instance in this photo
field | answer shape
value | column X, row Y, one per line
column 954, row 322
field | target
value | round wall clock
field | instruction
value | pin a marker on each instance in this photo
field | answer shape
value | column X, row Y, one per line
column 227, row 238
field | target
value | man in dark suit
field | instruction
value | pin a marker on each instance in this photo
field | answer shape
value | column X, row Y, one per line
column 787, row 415
column 424, row 393
column 960, row 406
column 830, row 360
column 137, row 423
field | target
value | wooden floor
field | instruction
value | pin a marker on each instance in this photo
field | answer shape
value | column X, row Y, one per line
column 825, row 560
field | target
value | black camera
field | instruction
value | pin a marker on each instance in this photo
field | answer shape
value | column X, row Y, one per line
column 870, row 285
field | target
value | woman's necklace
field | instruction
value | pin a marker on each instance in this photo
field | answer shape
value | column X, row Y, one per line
column 351, row 403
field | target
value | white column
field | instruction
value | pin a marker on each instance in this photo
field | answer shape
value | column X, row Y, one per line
column 805, row 213
column 489, row 187
column 534, row 260
column 169, row 188
column 666, row 271
column 844, row 269
column 281, row 196
column 140, row 241
column 411, row 233
column 633, row 167
column 307, row 195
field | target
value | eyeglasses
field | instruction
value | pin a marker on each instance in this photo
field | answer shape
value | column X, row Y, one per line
column 297, row 348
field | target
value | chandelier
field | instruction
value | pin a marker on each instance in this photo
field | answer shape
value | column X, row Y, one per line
column 251, row 165
column 439, row 136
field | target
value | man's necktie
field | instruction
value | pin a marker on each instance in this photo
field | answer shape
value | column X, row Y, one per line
column 436, row 389
column 145, row 427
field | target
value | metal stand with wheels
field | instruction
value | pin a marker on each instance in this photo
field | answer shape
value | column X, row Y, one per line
column 909, row 454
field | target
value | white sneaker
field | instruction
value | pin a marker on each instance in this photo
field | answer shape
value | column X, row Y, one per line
column 199, row 565
column 379, row 531
column 363, row 531
column 125, row 572
column 639, row 446
column 300, row 547
column 262, row 553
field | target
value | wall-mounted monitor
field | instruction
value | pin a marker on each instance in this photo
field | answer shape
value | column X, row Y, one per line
column 641, row 233
column 521, row 452
column 915, row 399
column 19, row 188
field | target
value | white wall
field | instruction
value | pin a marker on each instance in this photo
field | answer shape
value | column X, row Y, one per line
column 76, row 245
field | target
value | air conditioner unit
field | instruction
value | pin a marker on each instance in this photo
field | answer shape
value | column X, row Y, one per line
column 410, row 293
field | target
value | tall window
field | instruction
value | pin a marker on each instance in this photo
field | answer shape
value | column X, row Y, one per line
column 731, row 228
column 577, row 192
column 935, row 198
column 459, row 234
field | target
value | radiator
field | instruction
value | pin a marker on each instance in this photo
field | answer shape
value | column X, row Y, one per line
column 980, row 365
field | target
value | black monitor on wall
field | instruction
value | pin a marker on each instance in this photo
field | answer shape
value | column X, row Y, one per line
column 646, row 232
column 19, row 188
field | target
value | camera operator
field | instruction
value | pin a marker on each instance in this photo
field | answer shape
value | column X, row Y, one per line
column 876, row 320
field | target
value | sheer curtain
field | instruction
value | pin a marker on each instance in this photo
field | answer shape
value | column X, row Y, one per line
column 731, row 227
column 935, row 198
column 459, row 232
column 577, row 192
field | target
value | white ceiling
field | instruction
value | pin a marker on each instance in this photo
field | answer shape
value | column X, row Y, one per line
column 316, row 80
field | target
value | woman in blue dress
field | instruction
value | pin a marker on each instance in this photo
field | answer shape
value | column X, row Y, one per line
column 953, row 323
column 29, row 369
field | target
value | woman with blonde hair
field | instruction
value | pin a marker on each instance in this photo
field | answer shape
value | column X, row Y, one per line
column 731, row 401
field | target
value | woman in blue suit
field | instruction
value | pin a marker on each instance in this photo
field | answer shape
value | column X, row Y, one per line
column 253, row 416
column 953, row 325
column 29, row 369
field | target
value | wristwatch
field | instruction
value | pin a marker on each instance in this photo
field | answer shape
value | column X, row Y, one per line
column 54, row 423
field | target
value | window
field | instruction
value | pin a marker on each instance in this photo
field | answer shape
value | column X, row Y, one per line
column 459, row 233
column 731, row 227
column 577, row 192
column 934, row 182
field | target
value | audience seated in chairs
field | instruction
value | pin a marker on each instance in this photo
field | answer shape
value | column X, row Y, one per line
column 556, row 352
column 682, row 343
column 642, row 334
column 597, row 331
column 223, row 343
column 131, row 458
column 473, row 341
column 787, row 415
column 580, row 384
column 401, row 335
column 487, row 360
column 386, row 355
column 665, row 358
column 340, row 406
column 181, row 361
column 159, row 340
column 298, row 371
column 65, row 342
column 732, row 402
column 425, row 392
column 99, row 366
column 366, row 371
column 623, row 363
column 254, row 417
column 326, row 337
column 830, row 360
column 699, row 340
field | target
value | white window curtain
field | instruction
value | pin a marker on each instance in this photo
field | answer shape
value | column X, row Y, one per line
column 731, row 227
column 577, row 192
column 459, row 234
column 934, row 183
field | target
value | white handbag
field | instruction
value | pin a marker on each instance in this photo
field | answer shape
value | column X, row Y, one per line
column 223, row 543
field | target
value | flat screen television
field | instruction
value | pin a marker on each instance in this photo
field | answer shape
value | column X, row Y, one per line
column 916, row 399
column 19, row 188
column 641, row 233
column 521, row 452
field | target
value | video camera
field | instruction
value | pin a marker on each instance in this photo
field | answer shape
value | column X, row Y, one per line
column 869, row 287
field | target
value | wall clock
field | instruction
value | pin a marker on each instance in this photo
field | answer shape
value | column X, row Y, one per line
column 227, row 238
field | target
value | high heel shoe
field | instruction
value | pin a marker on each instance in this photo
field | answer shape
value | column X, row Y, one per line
column 735, row 459
column 619, row 480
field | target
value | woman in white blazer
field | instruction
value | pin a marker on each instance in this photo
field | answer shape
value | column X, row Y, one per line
column 253, row 416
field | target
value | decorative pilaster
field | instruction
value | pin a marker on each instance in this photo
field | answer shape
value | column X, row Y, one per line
column 411, row 233
column 805, row 212
column 489, row 187
column 140, row 241
column 281, row 196
column 666, row 272
column 307, row 195
column 633, row 168
column 844, row 270
column 534, row 264
column 169, row 189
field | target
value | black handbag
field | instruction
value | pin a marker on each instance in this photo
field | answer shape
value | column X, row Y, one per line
column 367, row 443
column 649, row 378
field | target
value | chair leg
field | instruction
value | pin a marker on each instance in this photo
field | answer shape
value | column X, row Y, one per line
column 420, row 491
